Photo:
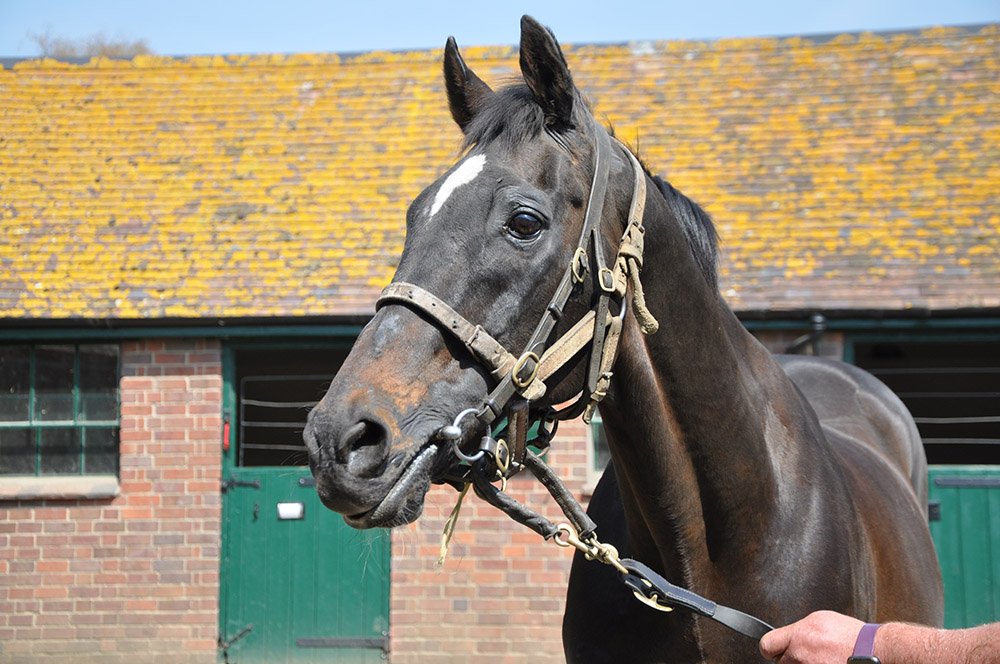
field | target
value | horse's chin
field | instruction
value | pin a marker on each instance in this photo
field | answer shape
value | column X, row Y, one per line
column 404, row 502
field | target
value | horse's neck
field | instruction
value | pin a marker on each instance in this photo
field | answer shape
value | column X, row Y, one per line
column 688, row 417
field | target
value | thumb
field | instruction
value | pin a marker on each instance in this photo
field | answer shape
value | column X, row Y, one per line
column 775, row 642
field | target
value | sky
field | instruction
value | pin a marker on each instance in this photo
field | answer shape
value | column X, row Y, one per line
column 192, row 27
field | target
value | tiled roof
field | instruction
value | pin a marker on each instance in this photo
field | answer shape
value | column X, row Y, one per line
column 858, row 172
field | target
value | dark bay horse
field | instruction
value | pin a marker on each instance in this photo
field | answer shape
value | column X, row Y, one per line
column 776, row 486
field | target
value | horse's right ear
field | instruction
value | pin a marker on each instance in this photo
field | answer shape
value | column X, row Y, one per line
column 544, row 68
column 467, row 93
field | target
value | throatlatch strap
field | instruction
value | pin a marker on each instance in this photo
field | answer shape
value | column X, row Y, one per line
column 631, row 250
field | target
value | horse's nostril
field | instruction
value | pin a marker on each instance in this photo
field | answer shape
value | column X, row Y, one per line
column 364, row 448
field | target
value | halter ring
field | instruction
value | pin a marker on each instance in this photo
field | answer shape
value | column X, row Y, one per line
column 454, row 432
column 579, row 264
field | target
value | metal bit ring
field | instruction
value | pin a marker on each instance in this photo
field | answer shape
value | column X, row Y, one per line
column 454, row 433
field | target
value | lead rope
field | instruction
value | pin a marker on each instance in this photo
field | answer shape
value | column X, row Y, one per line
column 646, row 585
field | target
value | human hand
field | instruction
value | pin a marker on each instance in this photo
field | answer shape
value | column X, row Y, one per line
column 823, row 637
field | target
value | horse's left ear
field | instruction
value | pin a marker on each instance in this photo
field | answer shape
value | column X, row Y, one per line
column 467, row 93
column 545, row 71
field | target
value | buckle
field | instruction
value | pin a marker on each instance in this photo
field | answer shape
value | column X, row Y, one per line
column 579, row 264
column 607, row 280
column 522, row 361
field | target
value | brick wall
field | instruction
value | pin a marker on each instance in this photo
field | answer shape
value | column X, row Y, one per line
column 133, row 578
column 500, row 595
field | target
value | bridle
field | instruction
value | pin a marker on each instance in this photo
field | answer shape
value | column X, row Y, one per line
column 521, row 380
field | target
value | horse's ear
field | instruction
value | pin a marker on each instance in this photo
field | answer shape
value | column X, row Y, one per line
column 545, row 71
column 467, row 93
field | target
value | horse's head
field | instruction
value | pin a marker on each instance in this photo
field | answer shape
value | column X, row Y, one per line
column 492, row 240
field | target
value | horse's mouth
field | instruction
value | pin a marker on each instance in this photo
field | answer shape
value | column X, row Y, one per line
column 405, row 500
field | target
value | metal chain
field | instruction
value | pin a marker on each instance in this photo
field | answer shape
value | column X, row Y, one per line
column 592, row 549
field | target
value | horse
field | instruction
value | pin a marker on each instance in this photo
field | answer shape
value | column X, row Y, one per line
column 775, row 485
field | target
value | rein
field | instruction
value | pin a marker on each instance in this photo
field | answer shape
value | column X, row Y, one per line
column 520, row 380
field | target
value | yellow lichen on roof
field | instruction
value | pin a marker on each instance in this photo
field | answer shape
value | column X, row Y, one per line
column 856, row 172
column 209, row 187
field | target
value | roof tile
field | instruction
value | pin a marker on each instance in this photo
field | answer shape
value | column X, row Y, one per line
column 861, row 171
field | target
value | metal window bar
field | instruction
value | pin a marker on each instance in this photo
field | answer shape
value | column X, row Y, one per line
column 926, row 397
column 273, row 446
column 36, row 434
column 280, row 404
column 947, row 395
column 57, row 424
column 908, row 371
column 961, row 441
column 957, row 420
column 272, row 425
column 244, row 423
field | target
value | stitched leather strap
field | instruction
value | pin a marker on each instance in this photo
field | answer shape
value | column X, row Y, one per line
column 517, row 431
column 668, row 594
column 592, row 227
column 487, row 349
column 477, row 340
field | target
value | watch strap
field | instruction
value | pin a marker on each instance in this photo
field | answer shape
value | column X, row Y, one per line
column 865, row 645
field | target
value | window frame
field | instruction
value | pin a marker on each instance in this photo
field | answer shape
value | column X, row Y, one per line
column 77, row 423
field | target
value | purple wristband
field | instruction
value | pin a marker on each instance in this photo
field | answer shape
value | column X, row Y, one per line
column 865, row 645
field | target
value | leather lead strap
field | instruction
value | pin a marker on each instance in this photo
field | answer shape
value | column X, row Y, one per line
column 675, row 596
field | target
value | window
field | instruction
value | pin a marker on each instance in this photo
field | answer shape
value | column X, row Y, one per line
column 59, row 409
column 276, row 387
column 952, row 389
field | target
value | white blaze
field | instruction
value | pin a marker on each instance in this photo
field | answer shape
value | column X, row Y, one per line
column 464, row 174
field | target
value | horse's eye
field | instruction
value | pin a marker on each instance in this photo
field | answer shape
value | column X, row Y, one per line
column 524, row 225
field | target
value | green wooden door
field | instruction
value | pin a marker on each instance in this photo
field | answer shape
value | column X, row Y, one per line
column 967, row 537
column 297, row 584
column 307, row 587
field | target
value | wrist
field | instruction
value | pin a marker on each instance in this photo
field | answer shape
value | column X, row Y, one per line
column 864, row 646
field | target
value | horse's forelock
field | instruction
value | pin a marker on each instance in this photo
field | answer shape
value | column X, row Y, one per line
column 510, row 117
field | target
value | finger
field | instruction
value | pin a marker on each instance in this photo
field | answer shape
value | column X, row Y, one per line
column 774, row 642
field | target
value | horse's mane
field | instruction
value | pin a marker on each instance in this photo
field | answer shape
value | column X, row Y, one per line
column 698, row 228
column 511, row 116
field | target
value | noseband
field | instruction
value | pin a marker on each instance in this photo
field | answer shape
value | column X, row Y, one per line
column 520, row 379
